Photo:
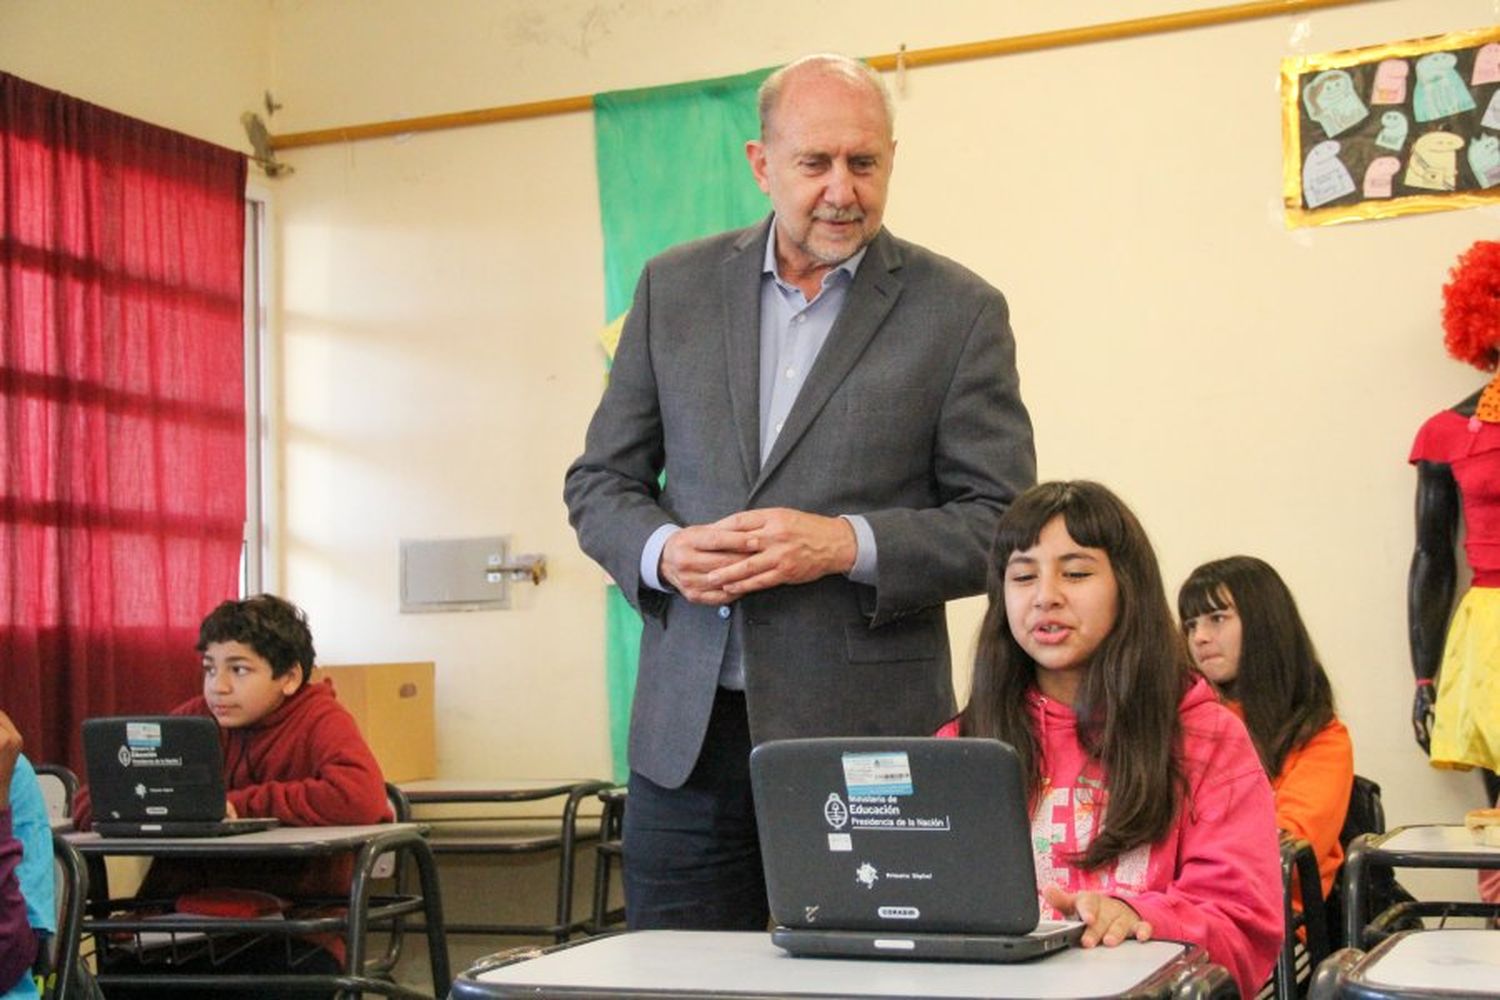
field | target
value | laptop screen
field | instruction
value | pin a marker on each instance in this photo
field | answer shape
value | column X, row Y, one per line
column 909, row 834
column 154, row 768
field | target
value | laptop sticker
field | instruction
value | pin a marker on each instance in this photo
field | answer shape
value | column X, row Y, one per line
column 876, row 784
column 142, row 747
column 837, row 815
column 874, row 774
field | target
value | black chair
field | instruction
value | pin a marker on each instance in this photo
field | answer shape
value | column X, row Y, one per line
column 1366, row 815
column 59, row 789
column 1299, row 878
column 64, row 979
column 393, row 866
column 606, row 853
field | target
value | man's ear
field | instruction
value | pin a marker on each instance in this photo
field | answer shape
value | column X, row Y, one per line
column 755, row 152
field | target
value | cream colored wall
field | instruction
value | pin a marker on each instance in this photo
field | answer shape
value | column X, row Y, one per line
column 1247, row 388
column 189, row 66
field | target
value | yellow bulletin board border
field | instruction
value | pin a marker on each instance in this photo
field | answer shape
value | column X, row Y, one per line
column 1357, row 145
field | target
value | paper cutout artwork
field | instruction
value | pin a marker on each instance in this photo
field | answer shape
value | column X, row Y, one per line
column 1324, row 177
column 1492, row 113
column 1434, row 162
column 1332, row 102
column 1440, row 91
column 1484, row 160
column 1379, row 176
column 1486, row 65
column 1393, row 129
column 1390, row 82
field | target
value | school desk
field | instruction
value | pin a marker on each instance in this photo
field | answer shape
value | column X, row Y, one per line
column 1409, row 847
column 745, row 965
column 117, row 921
column 1414, row 965
column 463, row 832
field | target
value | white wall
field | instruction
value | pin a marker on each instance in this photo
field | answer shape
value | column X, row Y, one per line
column 193, row 67
column 1247, row 388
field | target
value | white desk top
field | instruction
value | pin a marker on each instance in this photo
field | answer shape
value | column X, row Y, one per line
column 694, row 962
column 1462, row 959
column 1436, row 840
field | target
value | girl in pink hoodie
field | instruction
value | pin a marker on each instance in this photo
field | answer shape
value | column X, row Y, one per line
column 1151, row 814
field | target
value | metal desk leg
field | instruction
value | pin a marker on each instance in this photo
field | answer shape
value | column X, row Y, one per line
column 1355, row 864
column 432, row 916
column 432, row 905
column 566, row 863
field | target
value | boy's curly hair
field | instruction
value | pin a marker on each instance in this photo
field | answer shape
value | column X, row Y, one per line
column 273, row 628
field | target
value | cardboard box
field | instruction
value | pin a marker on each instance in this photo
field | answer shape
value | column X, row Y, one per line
column 393, row 704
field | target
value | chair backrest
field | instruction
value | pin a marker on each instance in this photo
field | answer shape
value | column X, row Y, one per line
column 387, row 865
column 59, row 788
column 1306, row 925
column 392, row 865
column 1366, row 813
column 64, row 981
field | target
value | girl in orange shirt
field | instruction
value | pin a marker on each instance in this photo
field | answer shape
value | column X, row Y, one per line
column 1246, row 637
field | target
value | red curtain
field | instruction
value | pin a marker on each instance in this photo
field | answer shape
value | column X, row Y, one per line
column 122, row 411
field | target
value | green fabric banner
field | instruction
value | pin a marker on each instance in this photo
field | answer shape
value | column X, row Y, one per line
column 671, row 165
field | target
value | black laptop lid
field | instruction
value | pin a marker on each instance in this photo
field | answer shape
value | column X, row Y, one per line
column 915, row 834
column 154, row 768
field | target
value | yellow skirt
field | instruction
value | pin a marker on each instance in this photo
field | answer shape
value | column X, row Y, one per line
column 1466, row 729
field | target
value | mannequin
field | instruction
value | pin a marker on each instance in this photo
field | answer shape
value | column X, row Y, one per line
column 1456, row 705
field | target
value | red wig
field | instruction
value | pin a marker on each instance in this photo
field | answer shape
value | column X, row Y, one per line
column 1471, row 306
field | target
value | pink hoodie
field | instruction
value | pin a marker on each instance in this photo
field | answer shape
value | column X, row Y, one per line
column 1214, row 879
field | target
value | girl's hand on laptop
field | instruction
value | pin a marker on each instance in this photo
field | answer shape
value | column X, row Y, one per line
column 229, row 812
column 1107, row 920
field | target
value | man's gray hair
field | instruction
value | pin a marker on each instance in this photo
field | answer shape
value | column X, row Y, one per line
column 855, row 70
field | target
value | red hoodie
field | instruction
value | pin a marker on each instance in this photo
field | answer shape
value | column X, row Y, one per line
column 1214, row 879
column 305, row 764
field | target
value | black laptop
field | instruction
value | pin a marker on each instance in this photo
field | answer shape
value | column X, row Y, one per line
column 900, row 848
column 159, row 776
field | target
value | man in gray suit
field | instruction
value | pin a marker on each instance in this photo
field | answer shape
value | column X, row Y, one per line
column 839, row 421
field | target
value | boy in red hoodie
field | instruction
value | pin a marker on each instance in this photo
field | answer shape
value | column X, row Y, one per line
column 290, row 751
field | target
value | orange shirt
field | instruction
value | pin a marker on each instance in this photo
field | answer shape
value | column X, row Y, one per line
column 1312, row 794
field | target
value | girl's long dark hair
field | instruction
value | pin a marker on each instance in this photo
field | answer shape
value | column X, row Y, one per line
column 1128, row 701
column 1281, row 685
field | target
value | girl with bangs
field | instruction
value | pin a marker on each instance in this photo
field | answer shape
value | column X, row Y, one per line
column 1151, row 815
column 1246, row 637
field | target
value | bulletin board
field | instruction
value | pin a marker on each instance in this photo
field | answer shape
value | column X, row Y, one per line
column 1392, row 129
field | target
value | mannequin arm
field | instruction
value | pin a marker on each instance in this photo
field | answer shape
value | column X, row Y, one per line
column 1430, row 585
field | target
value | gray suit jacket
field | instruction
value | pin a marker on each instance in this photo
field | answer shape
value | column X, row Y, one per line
column 911, row 416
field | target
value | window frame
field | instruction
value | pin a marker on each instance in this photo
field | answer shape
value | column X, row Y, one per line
column 257, row 561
